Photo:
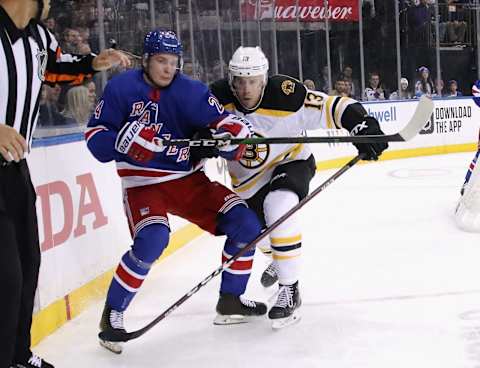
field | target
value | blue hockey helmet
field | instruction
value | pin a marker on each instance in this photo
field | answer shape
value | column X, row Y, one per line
column 159, row 42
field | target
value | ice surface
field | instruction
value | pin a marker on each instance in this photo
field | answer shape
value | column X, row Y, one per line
column 387, row 281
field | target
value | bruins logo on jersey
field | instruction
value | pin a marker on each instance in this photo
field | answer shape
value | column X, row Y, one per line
column 288, row 87
column 255, row 155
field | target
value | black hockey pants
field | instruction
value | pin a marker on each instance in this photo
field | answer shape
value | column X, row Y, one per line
column 19, row 261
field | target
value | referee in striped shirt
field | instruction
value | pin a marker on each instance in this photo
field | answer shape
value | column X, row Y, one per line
column 29, row 56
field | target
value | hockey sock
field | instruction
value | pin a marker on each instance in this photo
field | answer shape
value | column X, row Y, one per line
column 265, row 247
column 235, row 278
column 135, row 264
column 286, row 239
column 241, row 226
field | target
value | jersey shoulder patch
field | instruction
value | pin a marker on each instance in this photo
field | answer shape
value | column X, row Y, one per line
column 221, row 90
column 284, row 93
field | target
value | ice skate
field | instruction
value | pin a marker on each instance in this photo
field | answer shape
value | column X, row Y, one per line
column 285, row 311
column 269, row 276
column 33, row 362
column 234, row 309
column 112, row 321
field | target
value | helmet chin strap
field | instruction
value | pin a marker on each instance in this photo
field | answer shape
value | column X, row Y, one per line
column 38, row 17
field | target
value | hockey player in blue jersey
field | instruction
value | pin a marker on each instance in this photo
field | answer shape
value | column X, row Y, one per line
column 138, row 108
column 467, row 212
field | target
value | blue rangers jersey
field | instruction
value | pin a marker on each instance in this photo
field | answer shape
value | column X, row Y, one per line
column 177, row 111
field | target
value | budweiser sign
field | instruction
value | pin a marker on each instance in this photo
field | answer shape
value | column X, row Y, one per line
column 307, row 10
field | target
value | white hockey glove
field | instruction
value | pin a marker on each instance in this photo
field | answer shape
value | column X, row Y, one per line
column 137, row 141
column 232, row 127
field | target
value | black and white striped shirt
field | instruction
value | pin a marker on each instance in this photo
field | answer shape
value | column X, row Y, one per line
column 28, row 58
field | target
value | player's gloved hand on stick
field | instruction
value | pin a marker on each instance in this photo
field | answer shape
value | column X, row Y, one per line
column 199, row 152
column 369, row 126
column 232, row 127
column 137, row 141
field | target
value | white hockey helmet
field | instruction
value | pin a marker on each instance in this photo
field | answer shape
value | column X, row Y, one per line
column 248, row 62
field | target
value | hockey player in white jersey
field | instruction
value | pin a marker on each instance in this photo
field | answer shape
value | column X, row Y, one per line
column 274, row 178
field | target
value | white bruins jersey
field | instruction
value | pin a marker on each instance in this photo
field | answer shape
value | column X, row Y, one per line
column 287, row 109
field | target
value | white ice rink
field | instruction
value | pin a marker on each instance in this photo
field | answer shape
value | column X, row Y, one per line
column 387, row 281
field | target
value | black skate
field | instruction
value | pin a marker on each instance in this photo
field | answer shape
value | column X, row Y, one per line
column 111, row 323
column 285, row 311
column 33, row 362
column 234, row 309
column 269, row 276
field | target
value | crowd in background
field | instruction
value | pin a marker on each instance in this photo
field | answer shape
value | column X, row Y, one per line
column 127, row 21
column 345, row 85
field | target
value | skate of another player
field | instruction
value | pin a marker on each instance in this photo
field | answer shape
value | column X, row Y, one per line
column 402, row 293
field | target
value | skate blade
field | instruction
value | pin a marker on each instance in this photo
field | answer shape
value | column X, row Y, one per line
column 232, row 319
column 278, row 324
column 113, row 346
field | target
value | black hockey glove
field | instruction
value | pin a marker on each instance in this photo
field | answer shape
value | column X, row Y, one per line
column 369, row 126
column 198, row 153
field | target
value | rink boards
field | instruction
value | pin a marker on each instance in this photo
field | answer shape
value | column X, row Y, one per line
column 83, row 231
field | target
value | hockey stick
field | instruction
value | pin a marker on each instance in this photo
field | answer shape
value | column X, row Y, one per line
column 417, row 122
column 116, row 336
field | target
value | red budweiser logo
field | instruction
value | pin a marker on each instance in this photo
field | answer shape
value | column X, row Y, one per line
column 307, row 10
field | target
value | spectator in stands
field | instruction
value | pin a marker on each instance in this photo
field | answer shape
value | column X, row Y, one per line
column 188, row 70
column 348, row 76
column 439, row 86
column 404, row 93
column 51, row 24
column 216, row 70
column 340, row 87
column 419, row 31
column 419, row 16
column 84, row 33
column 375, row 90
column 84, row 49
column 453, row 89
column 78, row 107
column 424, row 84
column 443, row 20
column 322, row 81
column 92, row 92
column 310, row 84
column 71, row 40
column 84, row 42
column 49, row 114
column 456, row 25
column 348, row 87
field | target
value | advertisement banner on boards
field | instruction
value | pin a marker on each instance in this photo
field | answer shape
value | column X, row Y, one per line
column 308, row 10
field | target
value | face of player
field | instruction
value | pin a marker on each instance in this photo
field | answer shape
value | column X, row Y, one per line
column 249, row 90
column 161, row 68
